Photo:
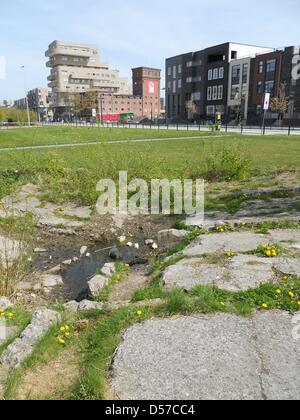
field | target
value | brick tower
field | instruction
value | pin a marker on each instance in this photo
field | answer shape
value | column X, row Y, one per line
column 146, row 84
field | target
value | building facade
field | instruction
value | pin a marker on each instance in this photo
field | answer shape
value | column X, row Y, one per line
column 143, row 103
column 38, row 100
column 76, row 68
column 197, row 83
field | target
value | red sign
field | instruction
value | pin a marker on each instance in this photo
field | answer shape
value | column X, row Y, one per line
column 110, row 117
column 152, row 87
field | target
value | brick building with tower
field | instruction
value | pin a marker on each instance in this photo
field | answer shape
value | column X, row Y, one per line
column 143, row 103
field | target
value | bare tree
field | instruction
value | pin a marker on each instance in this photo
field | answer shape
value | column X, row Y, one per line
column 280, row 103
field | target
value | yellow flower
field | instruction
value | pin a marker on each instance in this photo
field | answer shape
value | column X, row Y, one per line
column 127, row 265
column 222, row 303
column 67, row 334
column 61, row 341
column 285, row 278
column 67, row 327
column 268, row 253
column 292, row 294
column 278, row 292
column 299, row 303
column 62, row 329
column 139, row 313
column 2, row 313
column 10, row 315
column 264, row 306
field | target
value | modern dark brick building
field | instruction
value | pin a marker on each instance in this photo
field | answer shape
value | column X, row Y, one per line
column 197, row 82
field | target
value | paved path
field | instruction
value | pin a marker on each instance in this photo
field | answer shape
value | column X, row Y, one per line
column 217, row 357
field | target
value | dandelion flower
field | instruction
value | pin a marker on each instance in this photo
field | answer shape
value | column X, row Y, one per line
column 62, row 329
column 292, row 294
column 264, row 306
column 61, row 341
column 278, row 292
column 10, row 315
column 139, row 313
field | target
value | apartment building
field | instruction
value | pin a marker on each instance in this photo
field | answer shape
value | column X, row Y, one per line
column 38, row 100
column 20, row 103
column 197, row 83
column 268, row 73
column 76, row 68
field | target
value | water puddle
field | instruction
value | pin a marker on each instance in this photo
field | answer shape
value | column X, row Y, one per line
column 78, row 274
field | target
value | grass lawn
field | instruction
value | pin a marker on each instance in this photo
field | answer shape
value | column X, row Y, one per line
column 72, row 174
column 61, row 135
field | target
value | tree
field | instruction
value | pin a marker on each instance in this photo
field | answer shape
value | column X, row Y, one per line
column 83, row 103
column 191, row 109
column 280, row 104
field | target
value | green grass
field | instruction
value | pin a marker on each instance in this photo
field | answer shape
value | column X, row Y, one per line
column 72, row 174
column 20, row 320
column 63, row 135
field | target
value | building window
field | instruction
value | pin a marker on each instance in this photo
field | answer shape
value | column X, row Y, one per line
column 196, row 96
column 197, row 79
column 221, row 72
column 169, row 71
column 236, row 72
column 179, row 84
column 259, row 88
column 220, row 92
column 189, row 80
column 189, row 64
column 269, row 87
column 216, row 74
column 245, row 73
column 209, row 91
column 174, row 72
column 235, row 93
column 210, row 74
column 261, row 67
column 271, row 66
column 174, row 86
column 179, row 69
column 215, row 93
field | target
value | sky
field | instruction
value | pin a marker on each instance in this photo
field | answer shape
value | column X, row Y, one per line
column 133, row 33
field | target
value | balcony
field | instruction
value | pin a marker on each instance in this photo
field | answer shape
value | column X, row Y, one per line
column 77, row 52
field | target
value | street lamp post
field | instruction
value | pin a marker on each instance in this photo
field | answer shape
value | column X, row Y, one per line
column 26, row 98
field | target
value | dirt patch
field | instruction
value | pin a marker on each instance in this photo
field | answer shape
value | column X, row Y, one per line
column 136, row 279
column 54, row 380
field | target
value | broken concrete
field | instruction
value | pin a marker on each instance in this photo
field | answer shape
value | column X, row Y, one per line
column 51, row 280
column 109, row 269
column 223, row 242
column 22, row 347
column 171, row 236
column 240, row 273
column 97, row 284
column 48, row 214
column 189, row 273
column 220, row 357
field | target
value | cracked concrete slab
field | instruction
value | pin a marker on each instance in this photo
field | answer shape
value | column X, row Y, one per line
column 192, row 272
column 219, row 357
column 289, row 238
column 28, row 199
column 222, row 242
column 240, row 273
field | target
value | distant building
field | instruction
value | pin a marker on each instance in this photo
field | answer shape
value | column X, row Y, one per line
column 38, row 100
column 20, row 103
column 145, row 101
column 7, row 103
column 76, row 68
